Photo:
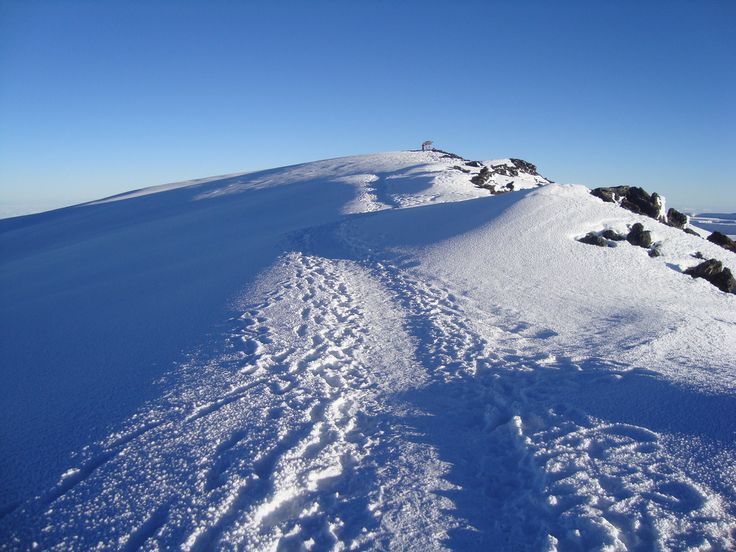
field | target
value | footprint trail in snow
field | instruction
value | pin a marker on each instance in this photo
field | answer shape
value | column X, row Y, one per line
column 360, row 404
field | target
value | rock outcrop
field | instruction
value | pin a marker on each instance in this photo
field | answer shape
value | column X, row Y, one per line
column 519, row 165
column 636, row 200
column 612, row 235
column 591, row 238
column 638, row 236
column 712, row 270
column 500, row 176
column 639, row 201
column 484, row 179
column 723, row 240
column 677, row 219
column 506, row 176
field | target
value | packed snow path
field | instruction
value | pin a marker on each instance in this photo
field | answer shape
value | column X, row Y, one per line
column 358, row 399
column 307, row 431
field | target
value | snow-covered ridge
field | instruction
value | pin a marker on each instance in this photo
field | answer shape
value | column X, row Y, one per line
column 638, row 200
column 369, row 352
column 373, row 176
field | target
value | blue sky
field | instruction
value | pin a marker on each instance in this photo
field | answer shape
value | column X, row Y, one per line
column 102, row 97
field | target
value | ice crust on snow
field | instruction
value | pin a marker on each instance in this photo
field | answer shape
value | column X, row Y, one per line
column 364, row 352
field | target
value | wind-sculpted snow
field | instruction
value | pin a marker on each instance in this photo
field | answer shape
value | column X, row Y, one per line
column 379, row 366
column 99, row 301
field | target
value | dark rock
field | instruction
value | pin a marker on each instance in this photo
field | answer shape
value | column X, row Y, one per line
column 698, row 255
column 505, row 170
column 676, row 218
column 723, row 240
column 690, row 231
column 612, row 235
column 518, row 165
column 713, row 271
column 606, row 194
column 591, row 238
column 459, row 168
column 525, row 166
column 482, row 177
column 636, row 200
column 447, row 154
column 638, row 236
column 654, row 251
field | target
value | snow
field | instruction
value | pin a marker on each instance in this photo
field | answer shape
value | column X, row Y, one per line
column 364, row 352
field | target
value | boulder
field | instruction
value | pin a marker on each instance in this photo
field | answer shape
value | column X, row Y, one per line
column 713, row 271
column 591, row 238
column 612, row 235
column 636, row 200
column 638, row 236
column 723, row 240
column 525, row 166
column 608, row 195
column 677, row 219
column 482, row 177
column 690, row 231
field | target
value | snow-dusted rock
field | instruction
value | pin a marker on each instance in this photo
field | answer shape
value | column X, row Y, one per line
column 723, row 240
column 713, row 271
column 591, row 238
column 638, row 236
column 677, row 219
column 634, row 199
column 610, row 234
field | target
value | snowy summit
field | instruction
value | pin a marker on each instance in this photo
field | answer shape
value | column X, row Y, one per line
column 398, row 351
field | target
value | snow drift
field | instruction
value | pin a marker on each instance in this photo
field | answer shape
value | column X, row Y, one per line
column 366, row 352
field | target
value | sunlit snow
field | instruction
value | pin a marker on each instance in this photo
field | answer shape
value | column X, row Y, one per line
column 358, row 353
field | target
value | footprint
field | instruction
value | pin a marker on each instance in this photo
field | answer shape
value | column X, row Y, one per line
column 546, row 334
column 148, row 529
column 679, row 496
column 249, row 346
column 632, row 432
column 221, row 464
column 207, row 409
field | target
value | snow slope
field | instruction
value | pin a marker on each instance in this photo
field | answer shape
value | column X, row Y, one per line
column 366, row 352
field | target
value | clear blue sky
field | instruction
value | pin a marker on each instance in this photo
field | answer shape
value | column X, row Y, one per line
column 98, row 97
